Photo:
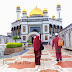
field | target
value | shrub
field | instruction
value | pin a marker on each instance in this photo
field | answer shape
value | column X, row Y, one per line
column 14, row 45
column 29, row 43
column 15, row 38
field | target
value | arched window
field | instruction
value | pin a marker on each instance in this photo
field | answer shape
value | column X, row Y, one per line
column 45, row 28
column 24, row 37
column 46, row 38
column 24, row 29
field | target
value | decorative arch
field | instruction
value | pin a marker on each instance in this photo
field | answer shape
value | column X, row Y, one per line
column 50, row 26
column 33, row 34
column 57, row 28
column 54, row 28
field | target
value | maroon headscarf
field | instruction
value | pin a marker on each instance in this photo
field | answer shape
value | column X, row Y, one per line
column 36, row 43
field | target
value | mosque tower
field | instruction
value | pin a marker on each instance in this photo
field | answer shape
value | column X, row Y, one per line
column 24, row 12
column 58, row 11
column 18, row 11
column 45, row 11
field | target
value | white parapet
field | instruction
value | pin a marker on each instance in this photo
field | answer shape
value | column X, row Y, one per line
column 2, row 48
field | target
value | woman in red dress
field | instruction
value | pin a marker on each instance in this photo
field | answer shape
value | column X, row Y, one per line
column 37, row 51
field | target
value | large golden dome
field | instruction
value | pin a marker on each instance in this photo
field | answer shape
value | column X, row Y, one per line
column 36, row 11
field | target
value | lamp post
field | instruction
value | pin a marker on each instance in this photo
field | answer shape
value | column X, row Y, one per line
column 40, row 35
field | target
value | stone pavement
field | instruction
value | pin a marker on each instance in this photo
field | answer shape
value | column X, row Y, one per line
column 25, row 62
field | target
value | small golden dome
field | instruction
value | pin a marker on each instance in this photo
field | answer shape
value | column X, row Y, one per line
column 26, row 15
column 54, row 18
column 45, row 9
column 18, row 19
column 36, row 11
column 18, row 6
column 53, row 15
column 58, row 4
column 24, row 10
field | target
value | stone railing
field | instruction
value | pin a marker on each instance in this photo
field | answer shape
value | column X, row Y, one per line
column 2, row 48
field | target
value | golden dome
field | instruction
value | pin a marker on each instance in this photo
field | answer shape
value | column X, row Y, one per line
column 53, row 17
column 18, row 6
column 18, row 19
column 45, row 9
column 26, row 15
column 36, row 11
column 58, row 4
column 24, row 10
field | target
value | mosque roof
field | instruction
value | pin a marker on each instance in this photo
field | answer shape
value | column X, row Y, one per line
column 36, row 11
column 45, row 9
column 58, row 4
column 18, row 19
column 18, row 6
column 24, row 10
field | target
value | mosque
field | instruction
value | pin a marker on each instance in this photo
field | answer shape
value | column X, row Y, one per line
column 37, row 23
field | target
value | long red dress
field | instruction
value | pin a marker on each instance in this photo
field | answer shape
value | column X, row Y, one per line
column 58, row 54
column 37, row 51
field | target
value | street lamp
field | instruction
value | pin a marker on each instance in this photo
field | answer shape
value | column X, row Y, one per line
column 40, row 35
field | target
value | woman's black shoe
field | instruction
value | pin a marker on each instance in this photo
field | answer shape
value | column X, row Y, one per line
column 57, row 60
column 60, row 59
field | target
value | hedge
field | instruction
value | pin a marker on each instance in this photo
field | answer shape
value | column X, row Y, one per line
column 29, row 43
column 14, row 45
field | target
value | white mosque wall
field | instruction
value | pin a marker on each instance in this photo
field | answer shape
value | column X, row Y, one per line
column 15, row 24
column 67, row 40
column 66, row 35
column 71, row 38
column 36, row 23
column 55, row 22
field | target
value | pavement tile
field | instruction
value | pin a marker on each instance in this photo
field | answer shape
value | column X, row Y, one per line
column 26, row 62
column 21, row 65
column 29, row 56
column 65, row 64
column 63, row 56
column 49, row 70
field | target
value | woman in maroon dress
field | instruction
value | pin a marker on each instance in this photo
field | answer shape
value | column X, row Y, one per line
column 37, row 51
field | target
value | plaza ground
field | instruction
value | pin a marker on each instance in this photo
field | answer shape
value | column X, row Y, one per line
column 26, row 62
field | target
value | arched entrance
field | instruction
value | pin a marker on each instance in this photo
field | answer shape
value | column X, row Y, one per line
column 31, row 35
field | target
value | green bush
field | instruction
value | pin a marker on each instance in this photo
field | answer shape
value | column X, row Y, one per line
column 29, row 43
column 14, row 45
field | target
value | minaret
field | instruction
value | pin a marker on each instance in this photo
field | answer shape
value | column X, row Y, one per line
column 18, row 11
column 45, row 11
column 24, row 12
column 58, row 11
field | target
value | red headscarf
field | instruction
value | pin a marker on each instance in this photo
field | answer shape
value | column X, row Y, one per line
column 36, row 43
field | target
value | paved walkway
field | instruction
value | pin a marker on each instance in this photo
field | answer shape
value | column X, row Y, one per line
column 25, row 62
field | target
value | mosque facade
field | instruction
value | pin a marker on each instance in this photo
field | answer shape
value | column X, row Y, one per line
column 37, row 23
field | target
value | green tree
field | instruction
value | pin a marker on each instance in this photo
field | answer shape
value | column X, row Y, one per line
column 15, row 38
column 28, row 41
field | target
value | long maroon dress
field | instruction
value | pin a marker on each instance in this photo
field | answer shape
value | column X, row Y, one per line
column 57, row 48
column 37, row 51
